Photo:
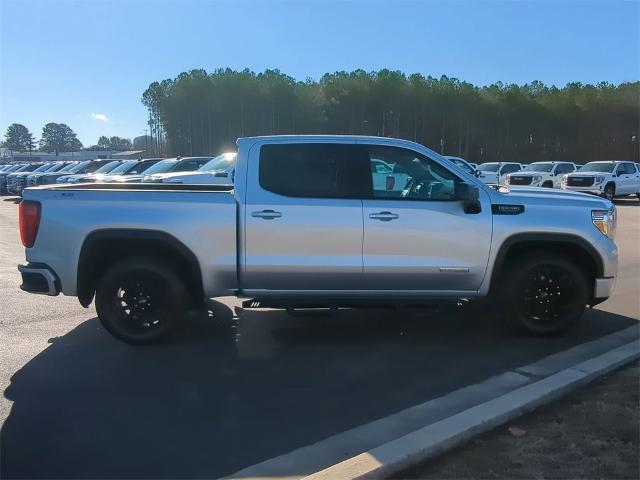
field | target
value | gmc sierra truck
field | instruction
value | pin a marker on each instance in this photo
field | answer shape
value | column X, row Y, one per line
column 306, row 224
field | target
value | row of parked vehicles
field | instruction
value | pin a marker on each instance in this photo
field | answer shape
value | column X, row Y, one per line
column 15, row 178
column 608, row 179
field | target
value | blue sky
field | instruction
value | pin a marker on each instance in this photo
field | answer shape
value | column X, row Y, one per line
column 87, row 63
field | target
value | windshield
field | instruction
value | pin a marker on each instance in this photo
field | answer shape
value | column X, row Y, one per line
column 124, row 167
column 79, row 166
column 489, row 167
column 605, row 167
column 463, row 165
column 68, row 168
column 42, row 168
column 52, row 167
column 539, row 167
column 161, row 167
column 221, row 162
column 107, row 167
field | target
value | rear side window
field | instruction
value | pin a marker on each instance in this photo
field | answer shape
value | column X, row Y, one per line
column 315, row 170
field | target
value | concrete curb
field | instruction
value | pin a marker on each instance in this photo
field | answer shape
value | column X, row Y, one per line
column 422, row 444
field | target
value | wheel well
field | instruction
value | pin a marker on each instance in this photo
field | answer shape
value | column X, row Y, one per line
column 581, row 255
column 104, row 248
column 611, row 184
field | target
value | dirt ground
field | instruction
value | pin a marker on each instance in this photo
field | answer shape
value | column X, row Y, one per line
column 592, row 433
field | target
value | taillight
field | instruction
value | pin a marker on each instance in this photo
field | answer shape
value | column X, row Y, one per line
column 29, row 215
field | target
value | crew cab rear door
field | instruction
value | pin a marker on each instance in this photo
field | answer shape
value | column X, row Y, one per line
column 303, row 217
column 420, row 238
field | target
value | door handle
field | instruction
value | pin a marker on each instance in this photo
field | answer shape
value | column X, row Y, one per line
column 266, row 214
column 384, row 216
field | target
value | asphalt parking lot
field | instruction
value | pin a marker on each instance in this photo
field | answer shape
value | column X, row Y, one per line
column 231, row 392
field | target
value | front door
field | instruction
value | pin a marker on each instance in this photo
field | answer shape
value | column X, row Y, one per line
column 303, row 217
column 421, row 238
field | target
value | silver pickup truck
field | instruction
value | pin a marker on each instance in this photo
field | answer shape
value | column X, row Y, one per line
column 308, row 223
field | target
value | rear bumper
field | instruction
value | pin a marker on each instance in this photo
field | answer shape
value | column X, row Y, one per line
column 39, row 278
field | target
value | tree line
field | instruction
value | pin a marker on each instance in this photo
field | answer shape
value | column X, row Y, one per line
column 57, row 137
column 200, row 113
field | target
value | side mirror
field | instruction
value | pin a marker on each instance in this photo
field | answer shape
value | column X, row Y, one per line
column 477, row 173
column 470, row 197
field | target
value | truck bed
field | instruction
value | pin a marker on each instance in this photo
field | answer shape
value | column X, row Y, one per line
column 200, row 217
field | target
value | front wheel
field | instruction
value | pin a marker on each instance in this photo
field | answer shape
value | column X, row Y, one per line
column 140, row 300
column 545, row 294
column 609, row 192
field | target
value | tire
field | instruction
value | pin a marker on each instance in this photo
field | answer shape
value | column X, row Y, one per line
column 609, row 191
column 141, row 300
column 547, row 184
column 544, row 293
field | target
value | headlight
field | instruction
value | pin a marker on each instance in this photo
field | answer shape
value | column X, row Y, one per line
column 605, row 221
column 563, row 180
column 507, row 179
column 599, row 179
column 536, row 178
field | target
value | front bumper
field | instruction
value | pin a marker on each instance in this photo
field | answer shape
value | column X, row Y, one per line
column 39, row 278
column 594, row 190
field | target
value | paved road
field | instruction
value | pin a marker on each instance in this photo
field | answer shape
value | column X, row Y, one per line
column 232, row 392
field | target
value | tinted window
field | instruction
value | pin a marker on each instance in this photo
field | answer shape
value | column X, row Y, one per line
column 315, row 170
column 629, row 168
column 190, row 165
column 414, row 177
column 509, row 169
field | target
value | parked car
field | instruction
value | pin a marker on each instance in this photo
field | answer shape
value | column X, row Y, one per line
column 23, row 167
column 609, row 179
column 23, row 178
column 304, row 225
column 217, row 171
column 82, row 169
column 185, row 164
column 50, row 177
column 496, row 172
column 540, row 174
column 58, row 167
column 13, row 178
column 103, row 168
column 462, row 163
column 159, row 167
column 127, row 169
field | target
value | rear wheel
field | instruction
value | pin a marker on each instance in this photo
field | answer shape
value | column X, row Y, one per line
column 141, row 300
column 545, row 294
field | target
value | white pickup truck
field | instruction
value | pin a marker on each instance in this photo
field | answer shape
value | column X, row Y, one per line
column 307, row 223
column 540, row 174
column 495, row 173
column 609, row 179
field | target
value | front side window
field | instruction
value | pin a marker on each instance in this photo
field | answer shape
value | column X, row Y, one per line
column 510, row 169
column 629, row 168
column 489, row 167
column 315, row 170
column 414, row 176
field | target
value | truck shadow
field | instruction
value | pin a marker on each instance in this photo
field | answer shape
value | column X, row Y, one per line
column 229, row 393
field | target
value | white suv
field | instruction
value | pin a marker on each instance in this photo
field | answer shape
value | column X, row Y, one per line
column 541, row 174
column 496, row 172
column 609, row 179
